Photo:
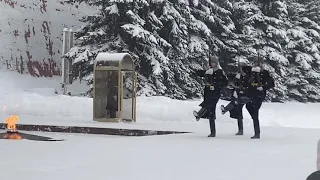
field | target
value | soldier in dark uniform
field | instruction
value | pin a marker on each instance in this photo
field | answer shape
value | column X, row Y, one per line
column 260, row 82
column 215, row 80
column 239, row 96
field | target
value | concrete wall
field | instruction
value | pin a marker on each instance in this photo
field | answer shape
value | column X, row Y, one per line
column 31, row 33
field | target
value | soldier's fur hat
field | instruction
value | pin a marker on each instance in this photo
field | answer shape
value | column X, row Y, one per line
column 214, row 58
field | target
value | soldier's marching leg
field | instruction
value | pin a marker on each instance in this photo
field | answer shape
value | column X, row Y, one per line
column 256, row 104
column 240, row 127
column 200, row 113
column 227, row 108
column 253, row 114
column 236, row 113
column 212, row 127
column 256, row 126
column 212, row 117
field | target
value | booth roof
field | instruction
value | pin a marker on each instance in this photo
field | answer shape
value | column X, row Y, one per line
column 111, row 56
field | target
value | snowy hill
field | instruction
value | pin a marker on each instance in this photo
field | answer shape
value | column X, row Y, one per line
column 171, row 39
column 282, row 152
column 31, row 33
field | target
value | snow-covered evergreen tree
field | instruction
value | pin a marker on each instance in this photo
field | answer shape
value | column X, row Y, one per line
column 170, row 39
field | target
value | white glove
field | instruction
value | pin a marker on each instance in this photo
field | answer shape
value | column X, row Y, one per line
column 235, row 94
column 259, row 88
column 211, row 88
column 238, row 76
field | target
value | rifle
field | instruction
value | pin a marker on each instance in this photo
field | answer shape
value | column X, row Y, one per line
column 240, row 82
column 239, row 71
column 209, row 59
column 258, row 75
column 259, row 61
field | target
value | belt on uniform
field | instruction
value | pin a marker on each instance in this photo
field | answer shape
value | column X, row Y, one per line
column 255, row 84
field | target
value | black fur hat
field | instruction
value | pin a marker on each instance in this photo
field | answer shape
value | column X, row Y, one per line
column 246, row 69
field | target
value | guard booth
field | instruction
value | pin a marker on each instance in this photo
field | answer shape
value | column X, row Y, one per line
column 114, row 88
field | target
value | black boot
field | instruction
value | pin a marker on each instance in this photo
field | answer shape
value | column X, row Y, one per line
column 256, row 126
column 195, row 113
column 240, row 127
column 199, row 114
column 227, row 108
column 212, row 127
column 223, row 109
column 256, row 136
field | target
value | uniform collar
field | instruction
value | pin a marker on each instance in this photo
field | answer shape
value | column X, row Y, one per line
column 256, row 69
column 212, row 70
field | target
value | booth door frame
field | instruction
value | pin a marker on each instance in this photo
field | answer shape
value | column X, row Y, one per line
column 134, row 89
column 133, row 92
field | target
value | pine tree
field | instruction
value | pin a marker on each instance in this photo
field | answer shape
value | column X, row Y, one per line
column 170, row 39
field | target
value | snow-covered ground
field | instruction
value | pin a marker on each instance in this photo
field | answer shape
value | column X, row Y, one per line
column 287, row 149
column 282, row 155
